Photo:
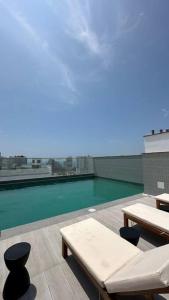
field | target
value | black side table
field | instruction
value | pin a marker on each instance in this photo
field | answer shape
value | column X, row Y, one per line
column 130, row 234
column 18, row 280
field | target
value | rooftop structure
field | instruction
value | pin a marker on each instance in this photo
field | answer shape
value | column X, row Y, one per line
column 157, row 141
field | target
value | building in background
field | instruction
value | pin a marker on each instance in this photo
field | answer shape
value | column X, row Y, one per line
column 36, row 163
column 0, row 161
column 13, row 162
column 84, row 164
column 157, row 141
column 20, row 165
column 57, row 167
column 68, row 163
column 18, row 161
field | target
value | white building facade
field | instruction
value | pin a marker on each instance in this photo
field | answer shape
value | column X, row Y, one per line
column 157, row 142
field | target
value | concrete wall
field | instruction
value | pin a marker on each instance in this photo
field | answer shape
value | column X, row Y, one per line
column 151, row 169
column 21, row 172
column 127, row 168
column 156, row 173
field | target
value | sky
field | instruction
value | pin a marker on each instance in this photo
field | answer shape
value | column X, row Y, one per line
column 81, row 77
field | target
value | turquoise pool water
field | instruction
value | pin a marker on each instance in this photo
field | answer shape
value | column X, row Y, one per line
column 26, row 205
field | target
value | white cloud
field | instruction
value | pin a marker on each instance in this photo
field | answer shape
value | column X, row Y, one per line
column 165, row 112
column 43, row 45
column 68, row 78
column 127, row 23
column 79, row 27
column 102, row 45
column 79, row 24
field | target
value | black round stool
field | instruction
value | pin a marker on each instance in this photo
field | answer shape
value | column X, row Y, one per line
column 130, row 234
column 18, row 280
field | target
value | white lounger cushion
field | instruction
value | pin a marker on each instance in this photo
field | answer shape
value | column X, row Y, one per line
column 149, row 270
column 101, row 250
column 150, row 215
column 164, row 197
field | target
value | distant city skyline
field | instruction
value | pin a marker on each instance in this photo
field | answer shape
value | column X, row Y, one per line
column 82, row 77
column 3, row 155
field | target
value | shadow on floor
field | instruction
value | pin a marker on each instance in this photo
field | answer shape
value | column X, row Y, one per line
column 150, row 237
column 156, row 297
column 90, row 289
column 30, row 294
column 84, row 281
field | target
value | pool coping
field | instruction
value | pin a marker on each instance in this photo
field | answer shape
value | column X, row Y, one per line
column 21, row 229
column 11, row 183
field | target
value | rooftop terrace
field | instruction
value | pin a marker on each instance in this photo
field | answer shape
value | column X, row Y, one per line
column 52, row 277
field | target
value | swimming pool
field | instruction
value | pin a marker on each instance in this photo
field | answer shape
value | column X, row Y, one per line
column 29, row 204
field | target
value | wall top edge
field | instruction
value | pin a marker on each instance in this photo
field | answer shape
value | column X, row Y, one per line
column 119, row 156
column 156, row 153
column 156, row 133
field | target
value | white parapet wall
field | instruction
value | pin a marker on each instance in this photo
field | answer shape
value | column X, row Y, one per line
column 23, row 172
column 158, row 142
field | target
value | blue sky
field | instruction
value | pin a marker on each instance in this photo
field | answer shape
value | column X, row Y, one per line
column 82, row 76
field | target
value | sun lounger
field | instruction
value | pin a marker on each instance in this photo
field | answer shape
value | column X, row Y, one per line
column 115, row 266
column 162, row 199
column 148, row 217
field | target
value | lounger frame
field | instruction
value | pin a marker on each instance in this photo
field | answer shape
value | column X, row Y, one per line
column 145, row 225
column 148, row 294
column 158, row 202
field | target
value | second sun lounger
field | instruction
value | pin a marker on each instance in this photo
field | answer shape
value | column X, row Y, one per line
column 162, row 199
column 115, row 266
column 148, row 217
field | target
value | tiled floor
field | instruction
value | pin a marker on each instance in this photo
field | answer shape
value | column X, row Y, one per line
column 54, row 278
